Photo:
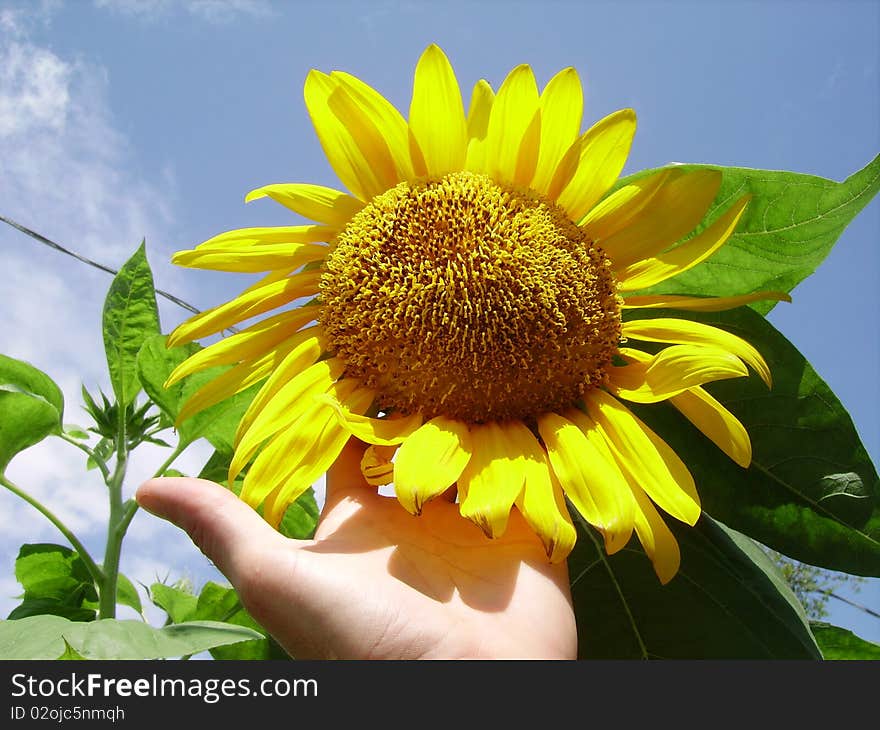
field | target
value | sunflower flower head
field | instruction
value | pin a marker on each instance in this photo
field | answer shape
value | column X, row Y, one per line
column 465, row 314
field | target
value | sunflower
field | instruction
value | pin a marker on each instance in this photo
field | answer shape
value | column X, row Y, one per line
column 464, row 314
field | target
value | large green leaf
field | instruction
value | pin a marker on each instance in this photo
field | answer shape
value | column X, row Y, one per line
column 218, row 423
column 726, row 602
column 811, row 491
column 26, row 378
column 130, row 317
column 55, row 581
column 217, row 603
column 24, row 421
column 789, row 227
column 48, row 637
column 838, row 643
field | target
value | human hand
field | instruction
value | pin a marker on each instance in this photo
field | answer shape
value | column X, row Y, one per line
column 377, row 582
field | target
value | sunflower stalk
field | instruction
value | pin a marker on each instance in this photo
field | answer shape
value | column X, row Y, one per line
column 117, row 524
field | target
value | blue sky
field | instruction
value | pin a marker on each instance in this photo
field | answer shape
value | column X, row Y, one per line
column 123, row 119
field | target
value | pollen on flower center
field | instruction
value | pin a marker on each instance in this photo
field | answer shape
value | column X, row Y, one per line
column 470, row 299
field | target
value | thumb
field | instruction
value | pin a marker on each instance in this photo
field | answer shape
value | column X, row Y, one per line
column 230, row 534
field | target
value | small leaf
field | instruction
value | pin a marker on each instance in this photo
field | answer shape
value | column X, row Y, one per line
column 727, row 601
column 180, row 605
column 127, row 595
column 811, row 491
column 24, row 421
column 28, row 379
column 130, row 317
column 55, row 581
column 44, row 637
column 789, row 227
column 838, row 643
column 218, row 423
column 75, row 431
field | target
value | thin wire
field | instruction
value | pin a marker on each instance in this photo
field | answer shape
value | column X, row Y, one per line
column 42, row 239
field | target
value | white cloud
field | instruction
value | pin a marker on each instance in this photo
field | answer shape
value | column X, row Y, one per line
column 68, row 172
column 212, row 11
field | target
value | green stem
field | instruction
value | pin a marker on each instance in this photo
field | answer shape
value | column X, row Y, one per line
column 102, row 466
column 96, row 573
column 113, row 549
column 178, row 450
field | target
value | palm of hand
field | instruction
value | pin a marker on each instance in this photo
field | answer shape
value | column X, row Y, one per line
column 376, row 582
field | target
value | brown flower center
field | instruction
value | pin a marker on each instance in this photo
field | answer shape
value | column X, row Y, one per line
column 470, row 299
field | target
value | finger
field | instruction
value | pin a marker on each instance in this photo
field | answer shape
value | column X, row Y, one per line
column 345, row 474
column 225, row 529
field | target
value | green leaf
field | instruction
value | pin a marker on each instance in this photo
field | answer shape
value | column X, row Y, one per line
column 180, row 605
column 24, row 421
column 26, row 378
column 130, row 317
column 219, row 422
column 838, row 643
column 726, row 602
column 46, row 637
column 221, row 603
column 301, row 518
column 70, row 653
column 55, row 581
column 811, row 491
column 789, row 227
column 127, row 595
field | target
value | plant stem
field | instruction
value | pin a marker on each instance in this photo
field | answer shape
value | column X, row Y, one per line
column 96, row 573
column 113, row 549
column 130, row 508
column 102, row 466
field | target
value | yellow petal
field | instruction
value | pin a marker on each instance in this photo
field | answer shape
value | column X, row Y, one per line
column 686, row 332
column 656, row 537
column 352, row 147
column 685, row 256
column 391, row 125
column 562, row 106
column 430, row 461
column 618, row 210
column 675, row 208
column 645, row 457
column 377, row 466
column 248, row 344
column 280, row 410
column 702, row 304
column 436, row 114
column 480, row 109
column 593, row 485
column 494, row 476
column 672, row 371
column 227, row 384
column 379, row 431
column 248, row 304
column 542, row 504
column 244, row 238
column 326, row 450
column 267, row 257
column 593, row 163
column 301, row 450
column 314, row 202
column 716, row 423
column 511, row 132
